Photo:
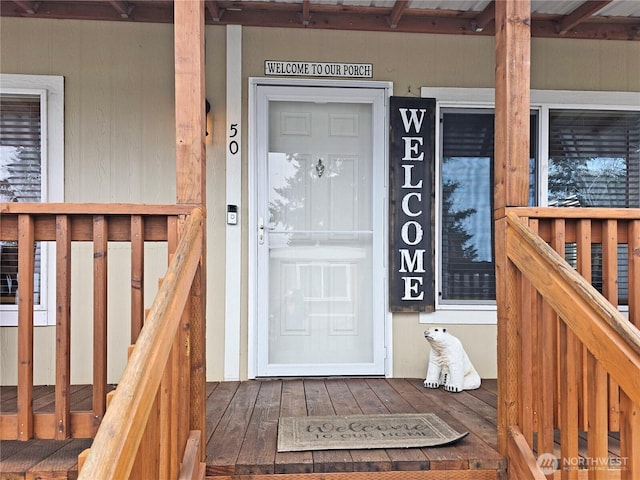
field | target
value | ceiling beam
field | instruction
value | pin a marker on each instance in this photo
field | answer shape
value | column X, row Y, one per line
column 123, row 8
column 29, row 8
column 484, row 18
column 396, row 12
column 306, row 12
column 330, row 16
column 214, row 10
column 580, row 14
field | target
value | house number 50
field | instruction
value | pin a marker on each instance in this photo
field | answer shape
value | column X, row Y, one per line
column 233, row 144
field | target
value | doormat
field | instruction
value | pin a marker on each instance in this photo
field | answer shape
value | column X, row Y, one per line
column 364, row 431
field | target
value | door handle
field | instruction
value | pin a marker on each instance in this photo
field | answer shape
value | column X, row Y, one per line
column 261, row 231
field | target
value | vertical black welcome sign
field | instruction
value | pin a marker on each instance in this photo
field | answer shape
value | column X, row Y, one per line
column 411, row 170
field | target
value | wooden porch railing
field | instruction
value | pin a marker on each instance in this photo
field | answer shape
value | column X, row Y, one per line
column 145, row 432
column 67, row 224
column 575, row 359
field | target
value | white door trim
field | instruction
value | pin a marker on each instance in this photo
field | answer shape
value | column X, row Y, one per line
column 233, row 248
column 253, row 185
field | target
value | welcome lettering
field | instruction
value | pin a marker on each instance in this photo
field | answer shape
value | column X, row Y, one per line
column 411, row 192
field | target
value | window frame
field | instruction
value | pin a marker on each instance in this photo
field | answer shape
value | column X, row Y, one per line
column 541, row 101
column 50, row 88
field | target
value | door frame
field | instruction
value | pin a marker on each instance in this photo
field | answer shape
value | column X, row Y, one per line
column 386, row 89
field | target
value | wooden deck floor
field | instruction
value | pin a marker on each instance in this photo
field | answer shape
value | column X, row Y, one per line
column 242, row 422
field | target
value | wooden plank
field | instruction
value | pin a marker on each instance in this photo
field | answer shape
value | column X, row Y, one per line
column 416, row 475
column 509, row 377
column 529, row 368
column 598, row 445
column 147, row 462
column 475, row 452
column 197, row 350
column 583, row 266
column 293, row 404
column 558, row 243
column 31, row 453
column 60, row 464
column 258, row 452
column 166, row 429
column 25, row 327
column 610, row 291
column 100, row 305
column 63, row 328
column 512, row 82
column 190, row 117
column 191, row 174
column 629, row 438
column 319, row 403
column 190, row 467
column 441, row 458
column 569, row 352
column 634, row 272
column 224, row 446
column 82, row 228
column 547, row 347
column 344, row 403
column 217, row 403
column 522, row 461
column 161, row 210
column 371, row 404
column 137, row 276
column 577, row 213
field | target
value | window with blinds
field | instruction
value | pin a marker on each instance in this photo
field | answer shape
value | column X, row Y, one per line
column 467, row 262
column 594, row 161
column 20, row 179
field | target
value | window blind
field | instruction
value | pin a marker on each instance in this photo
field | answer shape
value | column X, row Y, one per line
column 468, row 269
column 594, row 161
column 20, row 178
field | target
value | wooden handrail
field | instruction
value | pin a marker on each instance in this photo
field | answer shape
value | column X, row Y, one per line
column 96, row 208
column 613, row 340
column 116, row 443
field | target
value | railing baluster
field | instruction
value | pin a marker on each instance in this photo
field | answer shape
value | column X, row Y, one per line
column 63, row 327
column 583, row 265
column 629, row 438
column 137, row 276
column 547, row 342
column 633, row 237
column 610, row 291
column 558, row 243
column 570, row 351
column 529, row 355
column 598, row 444
column 100, row 245
column 26, row 243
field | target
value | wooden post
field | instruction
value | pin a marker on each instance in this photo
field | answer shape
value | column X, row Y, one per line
column 26, row 261
column 189, row 37
column 63, row 327
column 513, row 38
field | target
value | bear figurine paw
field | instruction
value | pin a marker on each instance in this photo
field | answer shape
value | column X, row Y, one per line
column 431, row 384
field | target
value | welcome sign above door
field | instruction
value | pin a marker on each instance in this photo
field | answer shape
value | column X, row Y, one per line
column 411, row 160
column 317, row 69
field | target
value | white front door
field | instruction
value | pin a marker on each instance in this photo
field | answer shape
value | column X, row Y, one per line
column 320, row 289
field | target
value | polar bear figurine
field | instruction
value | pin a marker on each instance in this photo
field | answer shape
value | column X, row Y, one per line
column 449, row 364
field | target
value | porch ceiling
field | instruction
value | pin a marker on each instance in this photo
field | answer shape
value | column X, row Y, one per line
column 595, row 19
